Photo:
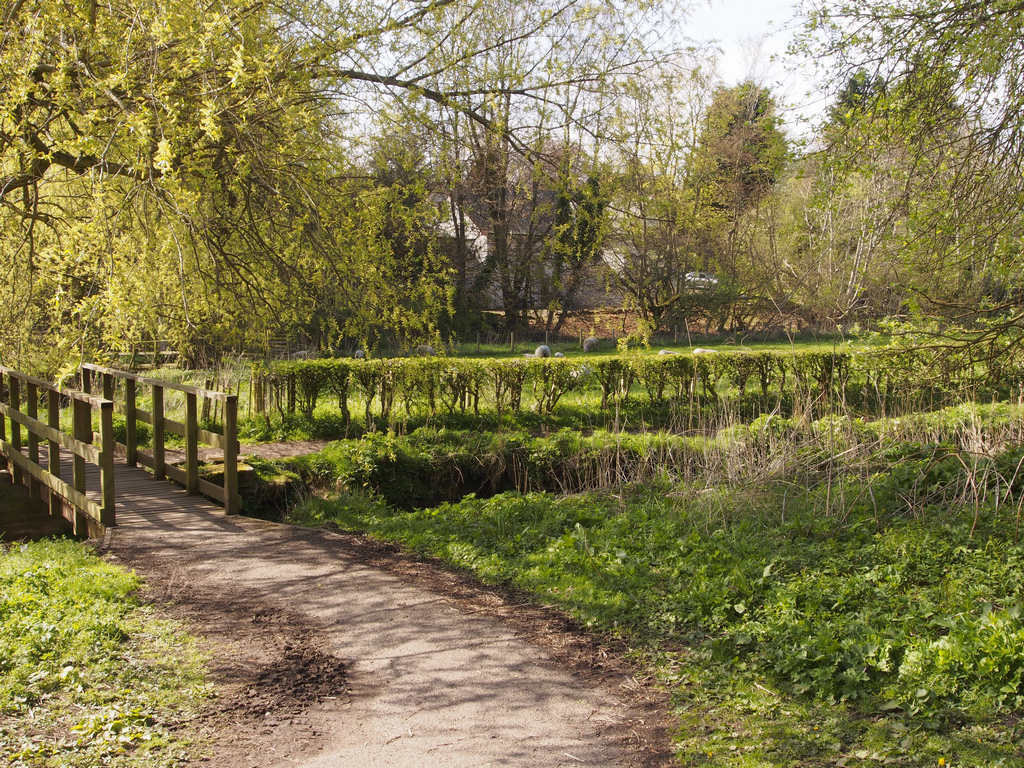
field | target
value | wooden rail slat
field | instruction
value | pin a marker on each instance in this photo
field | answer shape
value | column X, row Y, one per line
column 55, row 484
column 190, row 430
column 174, row 427
column 46, row 386
column 87, row 451
column 212, row 490
column 209, row 394
column 176, row 474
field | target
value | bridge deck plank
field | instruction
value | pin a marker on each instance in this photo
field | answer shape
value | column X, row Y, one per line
column 137, row 491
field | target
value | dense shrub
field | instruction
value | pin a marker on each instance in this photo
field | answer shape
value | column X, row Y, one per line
column 818, row 382
column 429, row 466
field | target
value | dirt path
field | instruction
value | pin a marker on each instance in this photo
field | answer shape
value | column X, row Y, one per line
column 259, row 450
column 398, row 663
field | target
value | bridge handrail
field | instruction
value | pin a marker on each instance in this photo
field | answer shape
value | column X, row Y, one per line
column 81, row 444
column 209, row 394
column 40, row 384
column 189, row 429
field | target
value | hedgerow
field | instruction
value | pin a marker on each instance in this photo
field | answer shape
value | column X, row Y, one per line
column 873, row 381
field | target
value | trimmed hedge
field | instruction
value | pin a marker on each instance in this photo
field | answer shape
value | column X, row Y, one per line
column 872, row 380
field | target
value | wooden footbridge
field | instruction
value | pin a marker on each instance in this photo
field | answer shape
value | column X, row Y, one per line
column 72, row 458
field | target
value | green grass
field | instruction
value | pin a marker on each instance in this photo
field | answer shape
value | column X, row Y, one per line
column 88, row 676
column 818, row 616
column 608, row 347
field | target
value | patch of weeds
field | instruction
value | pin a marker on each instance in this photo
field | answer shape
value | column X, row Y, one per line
column 89, row 677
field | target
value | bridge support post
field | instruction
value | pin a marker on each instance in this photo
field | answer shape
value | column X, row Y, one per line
column 53, row 459
column 159, row 467
column 14, row 393
column 107, row 461
column 131, row 440
column 191, row 443
column 82, row 430
column 32, row 411
column 3, row 424
column 231, row 499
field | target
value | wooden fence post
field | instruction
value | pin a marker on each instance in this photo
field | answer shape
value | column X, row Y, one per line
column 191, row 443
column 86, row 375
column 32, row 411
column 108, row 387
column 82, row 430
column 107, row 461
column 53, row 459
column 231, row 505
column 3, row 424
column 131, row 441
column 14, row 392
column 159, row 465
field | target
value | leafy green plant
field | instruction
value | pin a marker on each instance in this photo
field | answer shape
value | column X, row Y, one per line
column 87, row 675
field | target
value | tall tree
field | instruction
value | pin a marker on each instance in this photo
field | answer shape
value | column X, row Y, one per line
column 163, row 170
column 951, row 115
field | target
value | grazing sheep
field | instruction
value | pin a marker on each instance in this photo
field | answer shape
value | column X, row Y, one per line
column 559, row 354
column 667, row 352
column 542, row 351
column 702, row 351
column 590, row 344
column 359, row 354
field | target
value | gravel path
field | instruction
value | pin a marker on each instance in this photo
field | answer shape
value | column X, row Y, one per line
column 432, row 682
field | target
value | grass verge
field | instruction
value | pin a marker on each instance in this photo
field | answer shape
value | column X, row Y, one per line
column 88, row 676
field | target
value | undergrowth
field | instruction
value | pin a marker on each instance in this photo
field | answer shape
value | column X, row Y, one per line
column 88, row 676
column 837, row 592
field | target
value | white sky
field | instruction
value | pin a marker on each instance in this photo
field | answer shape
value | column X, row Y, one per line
column 752, row 36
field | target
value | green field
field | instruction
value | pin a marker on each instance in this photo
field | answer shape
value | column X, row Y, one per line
column 609, row 347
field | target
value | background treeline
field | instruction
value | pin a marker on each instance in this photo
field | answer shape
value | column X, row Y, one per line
column 264, row 171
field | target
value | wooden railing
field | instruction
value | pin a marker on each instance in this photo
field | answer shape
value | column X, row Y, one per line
column 189, row 429
column 20, row 398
